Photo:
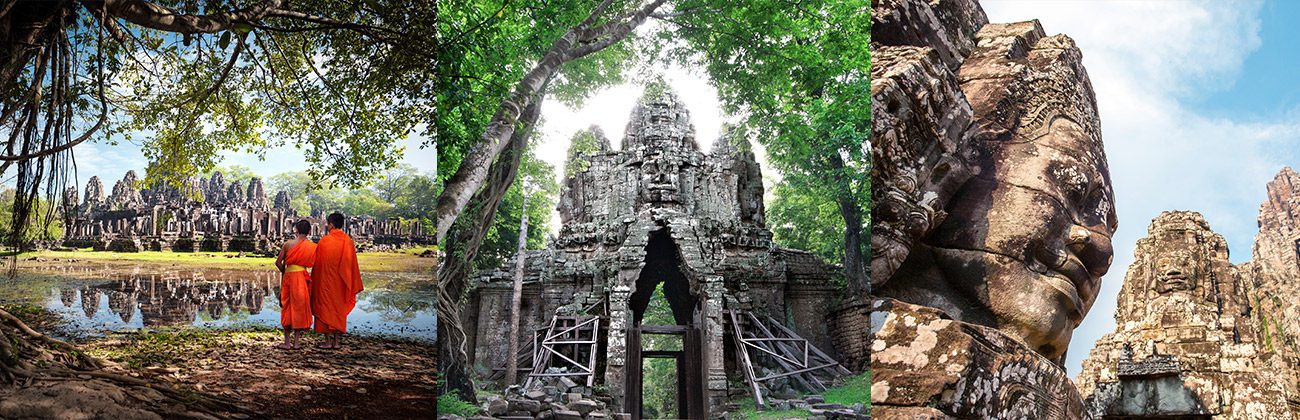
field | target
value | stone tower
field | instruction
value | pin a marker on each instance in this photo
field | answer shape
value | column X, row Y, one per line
column 1183, row 343
column 661, row 212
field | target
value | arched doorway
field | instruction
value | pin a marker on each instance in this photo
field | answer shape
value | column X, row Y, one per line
column 664, row 338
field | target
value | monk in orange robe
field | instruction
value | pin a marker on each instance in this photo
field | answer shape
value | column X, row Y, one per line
column 337, row 281
column 296, row 256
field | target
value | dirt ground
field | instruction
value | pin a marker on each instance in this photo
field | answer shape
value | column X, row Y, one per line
column 367, row 379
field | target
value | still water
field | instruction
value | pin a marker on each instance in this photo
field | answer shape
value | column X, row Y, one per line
column 95, row 304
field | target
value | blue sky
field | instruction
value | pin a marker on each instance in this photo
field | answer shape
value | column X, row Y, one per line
column 110, row 163
column 1200, row 108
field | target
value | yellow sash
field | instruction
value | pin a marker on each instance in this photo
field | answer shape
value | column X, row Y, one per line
column 292, row 268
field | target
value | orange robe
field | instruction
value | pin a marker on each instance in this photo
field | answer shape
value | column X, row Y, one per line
column 337, row 282
column 295, row 297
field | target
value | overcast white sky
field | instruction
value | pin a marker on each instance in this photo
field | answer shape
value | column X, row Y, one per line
column 1184, row 125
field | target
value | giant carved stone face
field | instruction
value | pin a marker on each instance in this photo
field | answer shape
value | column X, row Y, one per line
column 1025, row 242
column 1174, row 271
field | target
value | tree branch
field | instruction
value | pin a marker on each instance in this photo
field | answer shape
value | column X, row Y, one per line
column 155, row 16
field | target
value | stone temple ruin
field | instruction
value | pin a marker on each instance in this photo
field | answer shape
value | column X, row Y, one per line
column 206, row 215
column 1184, row 343
column 1197, row 337
column 992, row 216
column 660, row 211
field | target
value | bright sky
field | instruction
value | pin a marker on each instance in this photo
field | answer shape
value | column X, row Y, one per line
column 1199, row 107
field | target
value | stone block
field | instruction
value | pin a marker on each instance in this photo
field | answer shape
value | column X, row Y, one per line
column 567, row 415
column 583, row 406
column 529, row 406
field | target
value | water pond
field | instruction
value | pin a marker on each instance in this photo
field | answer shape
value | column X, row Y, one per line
column 99, row 300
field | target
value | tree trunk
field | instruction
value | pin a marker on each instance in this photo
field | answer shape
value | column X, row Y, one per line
column 855, row 273
column 462, row 245
column 516, row 297
column 578, row 42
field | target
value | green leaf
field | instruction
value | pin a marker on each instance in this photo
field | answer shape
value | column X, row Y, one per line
column 225, row 40
column 243, row 28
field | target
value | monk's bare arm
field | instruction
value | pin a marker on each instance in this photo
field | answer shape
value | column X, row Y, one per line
column 279, row 259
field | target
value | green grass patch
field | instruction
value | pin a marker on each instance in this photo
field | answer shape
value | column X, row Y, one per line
column 749, row 411
column 171, row 347
column 856, row 390
column 449, row 404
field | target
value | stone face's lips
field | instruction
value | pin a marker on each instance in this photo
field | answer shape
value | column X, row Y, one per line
column 1067, row 274
column 1066, row 286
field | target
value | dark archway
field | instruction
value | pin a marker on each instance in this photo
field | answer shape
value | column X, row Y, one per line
column 663, row 264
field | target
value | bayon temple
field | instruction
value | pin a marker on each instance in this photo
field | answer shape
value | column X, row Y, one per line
column 991, row 230
column 208, row 215
column 755, row 320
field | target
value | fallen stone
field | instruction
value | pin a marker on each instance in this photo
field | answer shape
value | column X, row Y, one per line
column 497, row 406
column 814, row 399
column 530, row 406
column 583, row 406
column 567, row 415
column 829, row 406
column 535, row 395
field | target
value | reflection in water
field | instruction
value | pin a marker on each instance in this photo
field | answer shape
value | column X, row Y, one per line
column 224, row 297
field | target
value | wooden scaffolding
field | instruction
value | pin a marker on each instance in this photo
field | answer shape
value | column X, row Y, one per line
column 791, row 355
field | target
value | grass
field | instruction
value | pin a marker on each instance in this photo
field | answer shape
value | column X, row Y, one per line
column 449, row 404
column 749, row 411
column 856, row 390
column 170, row 347
column 396, row 261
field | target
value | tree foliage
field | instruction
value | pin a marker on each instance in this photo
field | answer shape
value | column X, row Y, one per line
column 800, row 219
column 343, row 81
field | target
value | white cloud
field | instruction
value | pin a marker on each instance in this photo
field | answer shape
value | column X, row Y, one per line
column 1144, row 60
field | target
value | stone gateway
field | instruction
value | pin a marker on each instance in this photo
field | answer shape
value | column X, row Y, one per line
column 661, row 212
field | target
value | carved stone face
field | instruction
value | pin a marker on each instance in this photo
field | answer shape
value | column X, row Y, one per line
column 1174, row 271
column 1027, row 240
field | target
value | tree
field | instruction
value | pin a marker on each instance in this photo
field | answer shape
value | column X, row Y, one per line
column 393, row 183
column 797, row 73
column 801, row 219
column 602, row 28
column 240, row 173
column 490, row 53
column 341, row 80
column 516, row 296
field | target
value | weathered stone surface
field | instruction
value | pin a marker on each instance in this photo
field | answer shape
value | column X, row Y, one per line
column 995, row 203
column 1183, row 342
column 662, row 212
column 257, row 194
column 927, row 365
column 283, row 201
